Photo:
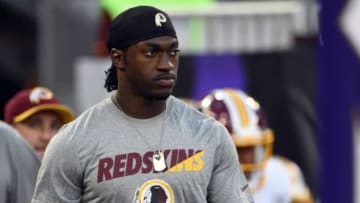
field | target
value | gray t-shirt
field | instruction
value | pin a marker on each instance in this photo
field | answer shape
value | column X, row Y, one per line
column 18, row 168
column 106, row 156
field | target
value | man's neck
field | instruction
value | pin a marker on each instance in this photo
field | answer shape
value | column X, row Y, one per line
column 141, row 108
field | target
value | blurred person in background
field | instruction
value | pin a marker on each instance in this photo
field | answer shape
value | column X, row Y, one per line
column 272, row 179
column 18, row 168
column 38, row 115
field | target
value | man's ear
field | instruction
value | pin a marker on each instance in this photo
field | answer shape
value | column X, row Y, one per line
column 118, row 58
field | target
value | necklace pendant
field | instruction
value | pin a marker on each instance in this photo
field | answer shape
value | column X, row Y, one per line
column 159, row 161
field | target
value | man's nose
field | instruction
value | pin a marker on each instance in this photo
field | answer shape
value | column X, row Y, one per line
column 166, row 62
column 47, row 133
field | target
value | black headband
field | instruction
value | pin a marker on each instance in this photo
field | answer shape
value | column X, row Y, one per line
column 138, row 24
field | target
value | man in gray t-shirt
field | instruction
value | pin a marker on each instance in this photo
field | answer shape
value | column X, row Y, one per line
column 18, row 168
column 142, row 144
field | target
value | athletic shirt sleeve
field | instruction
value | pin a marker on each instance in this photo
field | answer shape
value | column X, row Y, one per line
column 60, row 176
column 299, row 191
column 19, row 166
column 228, row 183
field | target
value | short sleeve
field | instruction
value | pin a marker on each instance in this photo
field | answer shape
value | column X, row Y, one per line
column 19, row 166
column 298, row 189
column 60, row 176
column 228, row 183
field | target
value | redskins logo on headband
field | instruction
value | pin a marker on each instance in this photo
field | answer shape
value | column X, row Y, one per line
column 159, row 19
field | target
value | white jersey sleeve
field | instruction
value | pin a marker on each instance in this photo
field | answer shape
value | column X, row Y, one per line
column 280, row 181
column 299, row 191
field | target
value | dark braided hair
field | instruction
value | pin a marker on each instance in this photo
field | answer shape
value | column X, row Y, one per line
column 111, row 79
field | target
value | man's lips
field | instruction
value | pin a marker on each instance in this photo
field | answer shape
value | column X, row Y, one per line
column 166, row 77
column 166, row 80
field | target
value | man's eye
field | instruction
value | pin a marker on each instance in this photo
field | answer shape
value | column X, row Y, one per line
column 175, row 52
column 150, row 53
column 33, row 123
column 56, row 125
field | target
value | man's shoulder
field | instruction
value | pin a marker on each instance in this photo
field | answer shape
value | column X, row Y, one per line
column 179, row 106
column 282, row 167
column 291, row 173
column 283, row 162
column 14, row 145
column 187, row 115
column 10, row 136
column 190, row 114
column 95, row 112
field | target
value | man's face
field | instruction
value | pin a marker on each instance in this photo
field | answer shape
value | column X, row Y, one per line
column 246, row 156
column 151, row 67
column 39, row 128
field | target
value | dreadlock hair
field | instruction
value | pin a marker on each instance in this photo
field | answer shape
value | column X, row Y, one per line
column 111, row 79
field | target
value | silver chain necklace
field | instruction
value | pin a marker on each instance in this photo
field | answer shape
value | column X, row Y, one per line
column 158, row 157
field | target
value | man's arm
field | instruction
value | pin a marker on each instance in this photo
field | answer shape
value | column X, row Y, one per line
column 300, row 192
column 20, row 165
column 59, row 178
column 228, row 183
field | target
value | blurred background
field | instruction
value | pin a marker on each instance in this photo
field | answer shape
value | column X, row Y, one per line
column 298, row 58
